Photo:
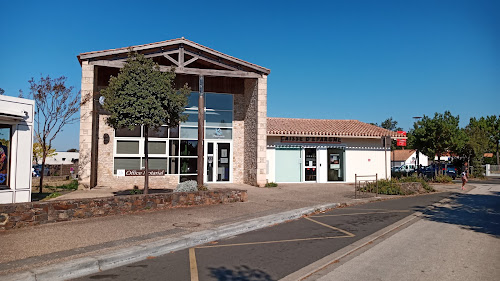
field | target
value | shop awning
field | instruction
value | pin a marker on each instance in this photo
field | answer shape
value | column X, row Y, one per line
column 12, row 114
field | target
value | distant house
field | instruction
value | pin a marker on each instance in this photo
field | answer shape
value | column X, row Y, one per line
column 407, row 156
column 445, row 157
column 62, row 158
column 61, row 164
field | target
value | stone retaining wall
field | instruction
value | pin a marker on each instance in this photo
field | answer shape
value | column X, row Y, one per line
column 35, row 213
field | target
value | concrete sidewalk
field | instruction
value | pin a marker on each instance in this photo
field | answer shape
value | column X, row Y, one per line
column 56, row 243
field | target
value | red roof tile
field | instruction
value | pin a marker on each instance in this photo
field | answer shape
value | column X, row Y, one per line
column 325, row 127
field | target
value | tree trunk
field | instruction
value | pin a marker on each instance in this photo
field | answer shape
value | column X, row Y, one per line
column 42, row 172
column 146, row 168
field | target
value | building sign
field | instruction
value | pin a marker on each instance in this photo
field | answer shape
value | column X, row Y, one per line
column 311, row 139
column 132, row 173
column 401, row 142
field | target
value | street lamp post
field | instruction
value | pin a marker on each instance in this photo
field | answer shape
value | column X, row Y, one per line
column 416, row 118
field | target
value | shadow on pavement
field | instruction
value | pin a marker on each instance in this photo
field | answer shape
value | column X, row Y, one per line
column 476, row 212
column 240, row 273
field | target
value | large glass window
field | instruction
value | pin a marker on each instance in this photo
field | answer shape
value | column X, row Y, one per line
column 175, row 149
column 5, row 143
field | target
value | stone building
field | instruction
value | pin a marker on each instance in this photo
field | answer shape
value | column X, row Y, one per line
column 235, row 109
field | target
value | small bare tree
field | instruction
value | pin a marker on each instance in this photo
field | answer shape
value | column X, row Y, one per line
column 56, row 106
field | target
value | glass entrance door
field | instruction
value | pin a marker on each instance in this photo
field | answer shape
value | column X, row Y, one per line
column 335, row 164
column 218, row 162
column 210, row 162
column 310, row 164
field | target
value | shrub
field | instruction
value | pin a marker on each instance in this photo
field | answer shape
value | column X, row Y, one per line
column 187, row 186
column 271, row 184
column 393, row 186
column 443, row 179
column 73, row 185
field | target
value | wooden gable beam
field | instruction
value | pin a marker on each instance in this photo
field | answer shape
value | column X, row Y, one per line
column 171, row 59
column 191, row 60
column 209, row 60
column 186, row 70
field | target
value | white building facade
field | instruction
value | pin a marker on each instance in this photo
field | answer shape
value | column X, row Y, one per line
column 16, row 142
column 322, row 151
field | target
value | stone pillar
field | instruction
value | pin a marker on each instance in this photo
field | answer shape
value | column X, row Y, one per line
column 261, row 131
column 86, row 108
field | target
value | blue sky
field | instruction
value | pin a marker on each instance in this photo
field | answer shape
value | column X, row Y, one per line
column 364, row 60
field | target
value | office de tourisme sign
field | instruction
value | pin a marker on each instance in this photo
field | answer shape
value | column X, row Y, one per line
column 140, row 173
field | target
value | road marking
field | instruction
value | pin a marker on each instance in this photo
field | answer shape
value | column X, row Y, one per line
column 332, row 227
column 272, row 242
column 366, row 213
column 192, row 265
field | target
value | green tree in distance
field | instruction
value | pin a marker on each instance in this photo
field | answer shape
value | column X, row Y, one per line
column 142, row 95
column 438, row 135
column 493, row 130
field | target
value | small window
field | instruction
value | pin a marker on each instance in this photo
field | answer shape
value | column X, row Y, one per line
column 189, row 148
column 127, row 147
column 174, row 132
column 173, row 165
column 160, row 132
column 125, row 132
column 156, row 163
column 157, row 147
column 189, row 132
column 174, row 148
column 127, row 163
column 189, row 165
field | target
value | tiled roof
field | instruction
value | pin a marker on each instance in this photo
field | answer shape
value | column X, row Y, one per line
column 168, row 42
column 325, row 127
column 402, row 155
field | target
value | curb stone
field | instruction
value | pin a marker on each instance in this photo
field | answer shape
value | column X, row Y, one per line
column 97, row 263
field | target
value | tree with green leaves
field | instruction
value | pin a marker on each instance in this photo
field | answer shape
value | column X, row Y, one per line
column 477, row 144
column 438, row 135
column 142, row 95
column 2, row 91
column 38, row 152
column 493, row 130
column 56, row 105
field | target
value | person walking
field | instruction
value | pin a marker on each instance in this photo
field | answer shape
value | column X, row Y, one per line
column 464, row 179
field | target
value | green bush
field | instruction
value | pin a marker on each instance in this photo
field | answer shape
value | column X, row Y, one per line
column 393, row 187
column 73, row 185
column 271, row 184
column 443, row 179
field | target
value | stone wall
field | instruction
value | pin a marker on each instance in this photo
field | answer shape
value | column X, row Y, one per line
column 35, row 213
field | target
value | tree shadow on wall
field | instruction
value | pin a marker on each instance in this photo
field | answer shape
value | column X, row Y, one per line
column 476, row 212
column 240, row 273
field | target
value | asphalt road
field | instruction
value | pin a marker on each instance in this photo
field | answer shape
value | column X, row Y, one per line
column 457, row 240
column 275, row 252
